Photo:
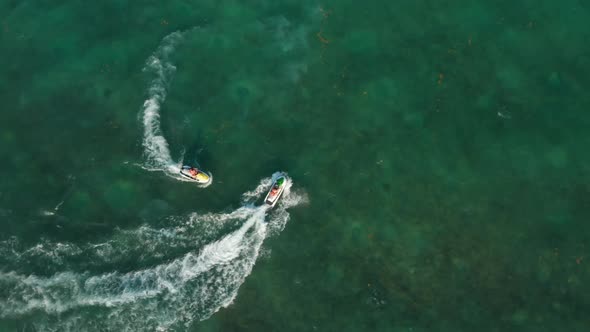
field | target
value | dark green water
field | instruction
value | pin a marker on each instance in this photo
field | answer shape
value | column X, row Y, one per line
column 438, row 152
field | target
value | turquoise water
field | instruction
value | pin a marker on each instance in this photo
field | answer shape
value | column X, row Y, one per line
column 437, row 152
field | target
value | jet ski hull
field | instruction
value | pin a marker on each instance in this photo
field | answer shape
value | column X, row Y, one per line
column 201, row 176
column 276, row 190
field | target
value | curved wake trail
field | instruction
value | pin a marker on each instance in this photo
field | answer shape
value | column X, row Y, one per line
column 154, row 143
column 166, row 296
column 156, row 150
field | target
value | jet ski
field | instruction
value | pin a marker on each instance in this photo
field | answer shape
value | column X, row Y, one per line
column 195, row 174
column 276, row 190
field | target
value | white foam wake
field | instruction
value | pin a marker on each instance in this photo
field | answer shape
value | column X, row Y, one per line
column 154, row 143
column 142, row 245
column 168, row 295
column 156, row 149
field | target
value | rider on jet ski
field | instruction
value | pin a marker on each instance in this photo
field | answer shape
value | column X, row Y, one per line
column 193, row 171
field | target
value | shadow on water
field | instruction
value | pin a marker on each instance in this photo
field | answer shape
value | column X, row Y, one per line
column 197, row 150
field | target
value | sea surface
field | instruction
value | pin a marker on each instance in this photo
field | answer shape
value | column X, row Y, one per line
column 438, row 155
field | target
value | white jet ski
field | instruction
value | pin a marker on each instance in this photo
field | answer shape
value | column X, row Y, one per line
column 195, row 174
column 276, row 190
